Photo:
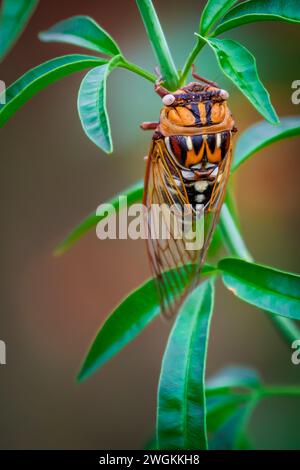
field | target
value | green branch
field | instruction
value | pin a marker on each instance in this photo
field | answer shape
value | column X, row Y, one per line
column 232, row 238
column 125, row 64
column 279, row 390
column 159, row 43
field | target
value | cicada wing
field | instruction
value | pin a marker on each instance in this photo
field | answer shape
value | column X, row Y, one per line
column 177, row 235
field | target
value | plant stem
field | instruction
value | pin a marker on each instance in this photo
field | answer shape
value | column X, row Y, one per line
column 275, row 390
column 125, row 64
column 236, row 247
column 232, row 237
column 191, row 58
column 159, row 43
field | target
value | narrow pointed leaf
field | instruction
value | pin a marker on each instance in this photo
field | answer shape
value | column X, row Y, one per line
column 261, row 135
column 181, row 413
column 13, row 19
column 134, row 194
column 229, row 396
column 92, row 105
column 220, row 407
column 40, row 77
column 236, row 247
column 213, row 11
column 234, row 377
column 126, row 321
column 260, row 10
column 239, row 65
column 228, row 435
column 267, row 288
column 81, row 31
column 159, row 43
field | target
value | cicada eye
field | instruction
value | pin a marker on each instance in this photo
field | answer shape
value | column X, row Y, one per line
column 224, row 94
column 168, row 100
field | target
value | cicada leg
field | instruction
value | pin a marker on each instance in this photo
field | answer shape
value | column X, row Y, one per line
column 149, row 126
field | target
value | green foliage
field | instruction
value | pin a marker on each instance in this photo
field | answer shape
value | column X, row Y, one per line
column 239, row 65
column 181, row 410
column 13, row 19
column 213, row 11
column 230, row 396
column 262, row 135
column 270, row 289
column 92, row 105
column 192, row 413
column 82, row 31
column 260, row 10
column 40, row 77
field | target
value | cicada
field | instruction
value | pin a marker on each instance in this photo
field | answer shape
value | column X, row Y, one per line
column 186, row 176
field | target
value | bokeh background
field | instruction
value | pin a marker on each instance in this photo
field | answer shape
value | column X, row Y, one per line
column 52, row 176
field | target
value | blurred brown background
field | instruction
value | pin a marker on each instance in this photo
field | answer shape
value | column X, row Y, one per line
column 52, row 176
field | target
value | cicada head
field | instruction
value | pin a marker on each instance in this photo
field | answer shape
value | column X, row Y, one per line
column 195, row 93
column 195, row 108
column 195, row 105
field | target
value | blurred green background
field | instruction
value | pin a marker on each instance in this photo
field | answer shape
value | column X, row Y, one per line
column 52, row 176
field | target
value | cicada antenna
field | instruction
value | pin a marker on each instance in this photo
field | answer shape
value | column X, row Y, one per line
column 202, row 79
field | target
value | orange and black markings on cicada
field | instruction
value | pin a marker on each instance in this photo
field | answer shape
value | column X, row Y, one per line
column 187, row 171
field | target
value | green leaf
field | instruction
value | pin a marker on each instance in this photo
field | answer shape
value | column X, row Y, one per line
column 92, row 105
column 260, row 10
column 13, row 19
column 236, row 247
column 133, row 194
column 230, row 398
column 159, row 43
column 213, row 11
column 239, row 65
column 228, row 435
column 126, row 321
column 40, row 77
column 225, row 393
column 267, row 288
column 181, row 414
column 217, row 241
column 261, row 135
column 81, row 31
column 220, row 407
column 233, row 377
column 231, row 235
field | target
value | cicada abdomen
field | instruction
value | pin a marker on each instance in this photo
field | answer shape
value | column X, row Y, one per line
column 186, row 176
